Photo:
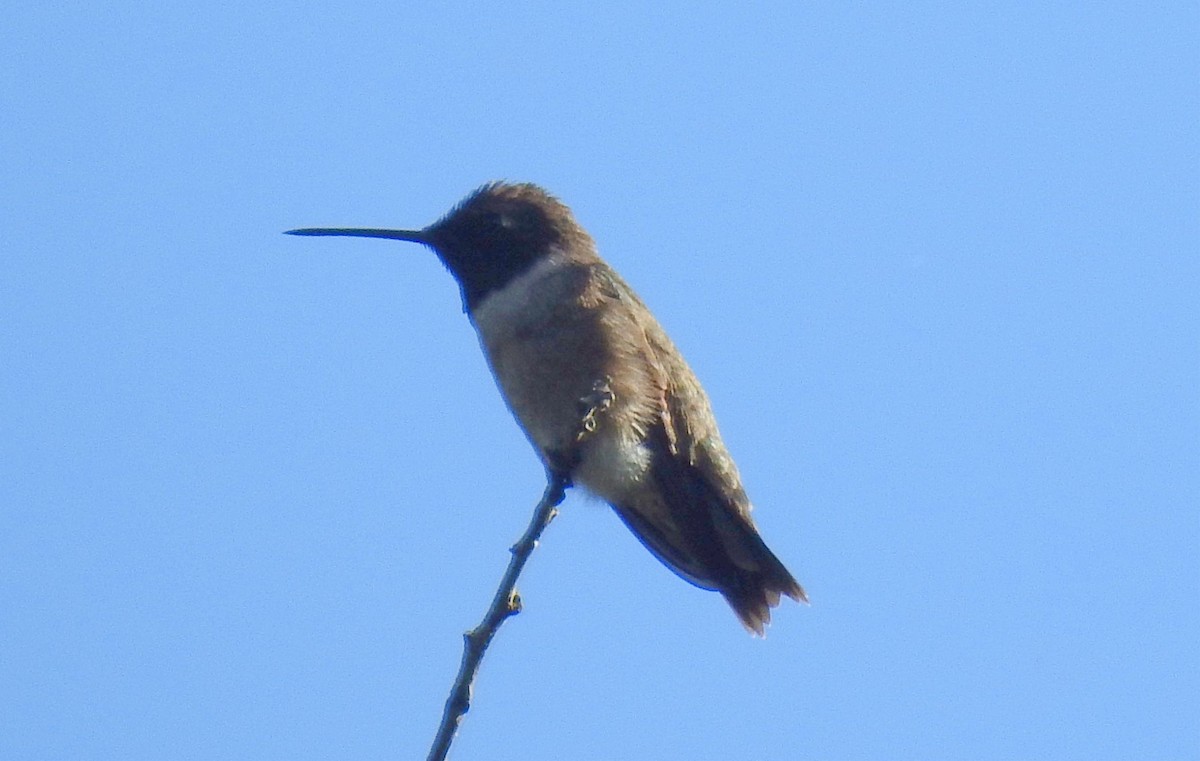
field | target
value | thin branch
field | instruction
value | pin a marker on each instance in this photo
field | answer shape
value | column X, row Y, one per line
column 506, row 603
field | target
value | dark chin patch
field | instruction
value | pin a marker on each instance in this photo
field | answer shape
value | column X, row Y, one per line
column 480, row 275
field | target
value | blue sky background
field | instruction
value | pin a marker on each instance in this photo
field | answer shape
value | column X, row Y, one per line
column 936, row 263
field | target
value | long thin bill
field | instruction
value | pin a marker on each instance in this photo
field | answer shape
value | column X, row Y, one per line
column 416, row 236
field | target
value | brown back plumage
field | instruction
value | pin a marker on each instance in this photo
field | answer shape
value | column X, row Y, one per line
column 699, row 522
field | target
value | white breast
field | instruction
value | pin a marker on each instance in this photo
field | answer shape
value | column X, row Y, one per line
column 505, row 311
column 503, row 320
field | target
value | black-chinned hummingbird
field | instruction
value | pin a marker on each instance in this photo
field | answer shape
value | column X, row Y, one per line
column 566, row 339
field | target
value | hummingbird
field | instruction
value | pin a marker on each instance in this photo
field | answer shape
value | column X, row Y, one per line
column 600, row 390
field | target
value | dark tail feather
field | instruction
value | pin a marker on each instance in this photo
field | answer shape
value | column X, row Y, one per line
column 752, row 595
column 757, row 578
column 709, row 542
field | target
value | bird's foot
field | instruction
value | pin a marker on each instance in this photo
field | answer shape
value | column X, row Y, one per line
column 591, row 406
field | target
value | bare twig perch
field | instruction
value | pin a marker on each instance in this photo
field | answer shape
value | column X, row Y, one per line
column 506, row 603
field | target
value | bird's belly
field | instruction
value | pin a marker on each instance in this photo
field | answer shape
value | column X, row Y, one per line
column 549, row 356
column 613, row 465
column 550, row 402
